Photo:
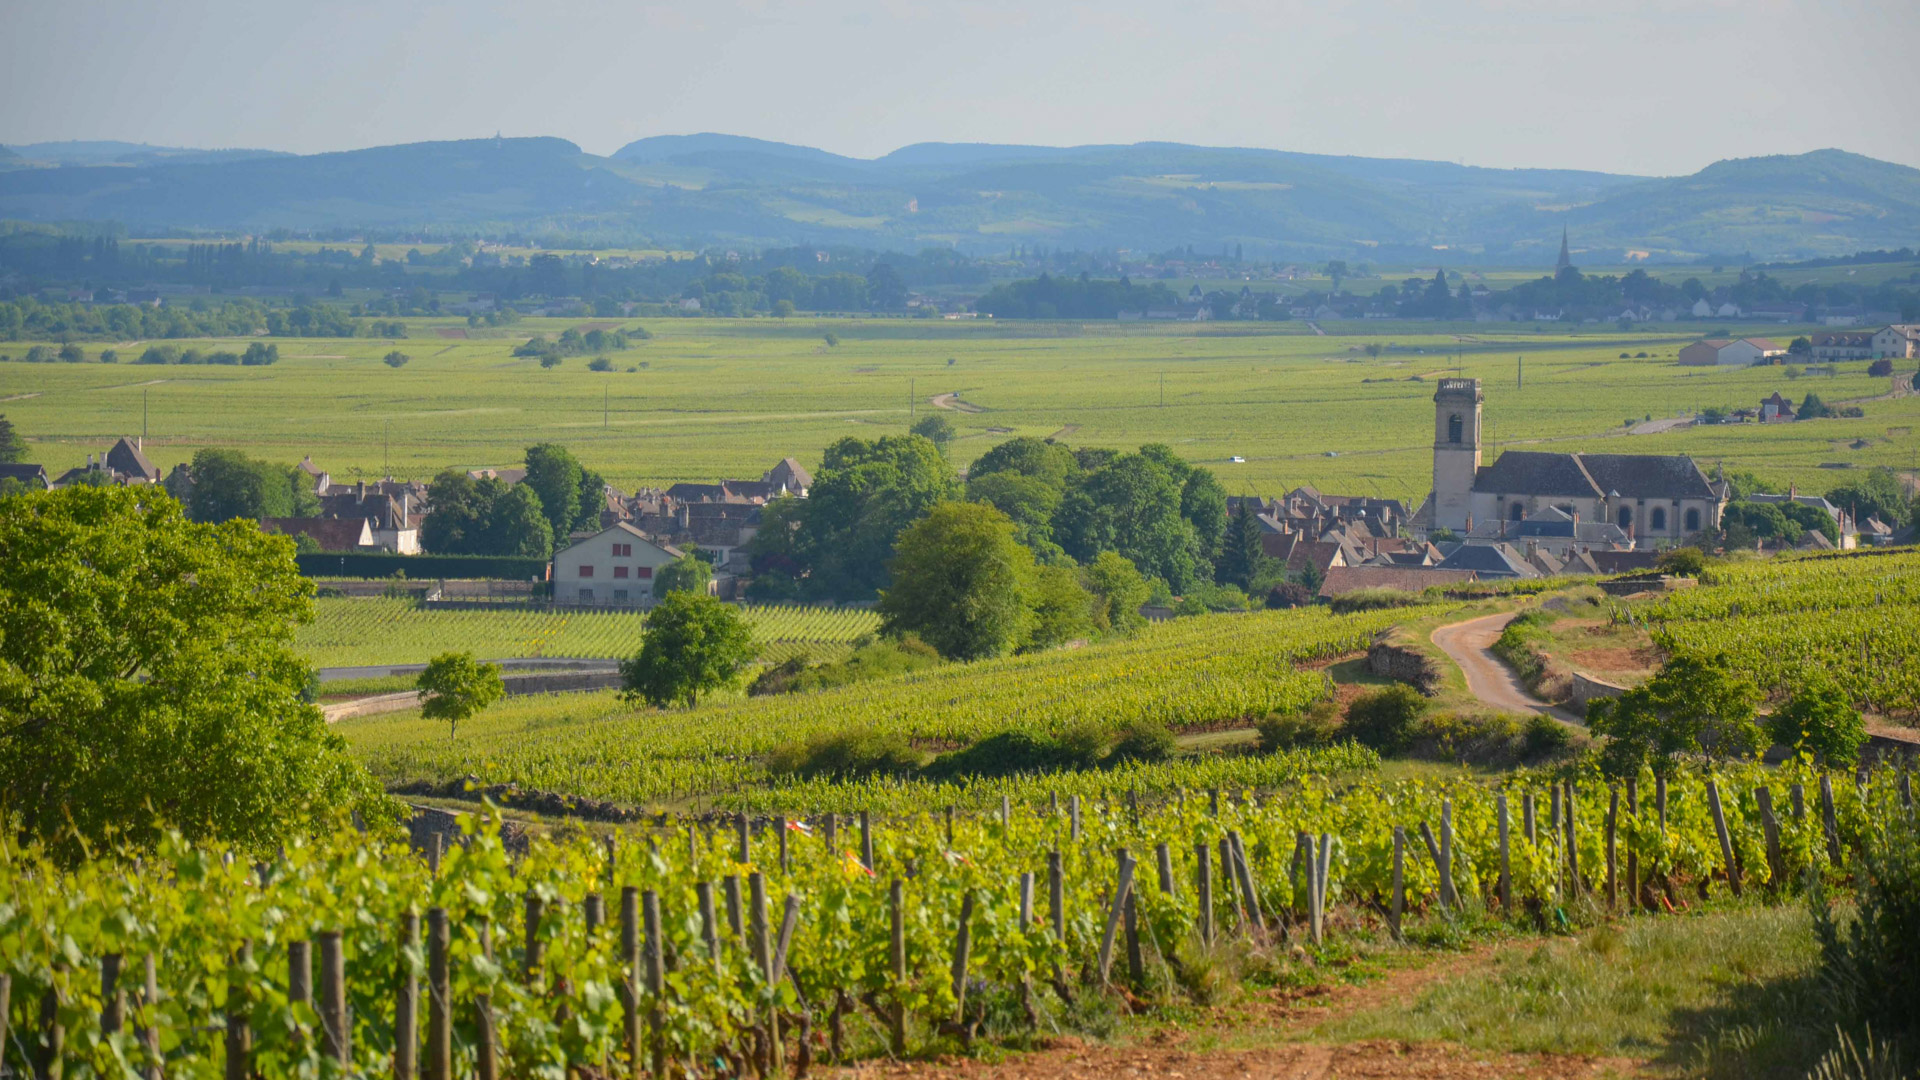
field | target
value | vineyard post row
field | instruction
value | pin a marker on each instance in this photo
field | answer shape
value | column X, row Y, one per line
column 1548, row 865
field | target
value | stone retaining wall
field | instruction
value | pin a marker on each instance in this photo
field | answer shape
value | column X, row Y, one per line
column 1411, row 666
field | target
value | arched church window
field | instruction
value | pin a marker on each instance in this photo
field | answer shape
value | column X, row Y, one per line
column 1625, row 517
column 1693, row 521
column 1657, row 520
column 1454, row 428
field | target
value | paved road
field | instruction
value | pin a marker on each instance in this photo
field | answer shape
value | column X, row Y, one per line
column 1469, row 645
column 522, row 665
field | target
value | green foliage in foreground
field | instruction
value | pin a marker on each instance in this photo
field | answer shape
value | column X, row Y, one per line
column 147, row 674
column 192, row 908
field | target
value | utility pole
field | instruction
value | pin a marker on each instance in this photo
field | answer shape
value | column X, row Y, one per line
column 1519, row 372
column 606, row 405
column 143, row 417
column 386, row 446
column 912, row 400
column 1163, row 389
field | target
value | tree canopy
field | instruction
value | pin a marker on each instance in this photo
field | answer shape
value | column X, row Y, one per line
column 962, row 582
column 864, row 495
column 1694, row 705
column 484, row 517
column 148, row 678
column 228, row 484
column 688, row 573
column 455, row 686
column 12, row 448
column 694, row 644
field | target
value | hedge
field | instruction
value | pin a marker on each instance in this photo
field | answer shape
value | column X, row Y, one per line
column 380, row 564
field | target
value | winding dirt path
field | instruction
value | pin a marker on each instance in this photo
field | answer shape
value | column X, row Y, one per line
column 952, row 401
column 1469, row 644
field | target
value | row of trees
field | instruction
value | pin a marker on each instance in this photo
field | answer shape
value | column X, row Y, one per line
column 489, row 516
column 1162, row 514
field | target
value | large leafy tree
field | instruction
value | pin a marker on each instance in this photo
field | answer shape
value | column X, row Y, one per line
column 558, row 478
column 1132, row 505
column 1050, row 462
column 454, row 686
column 1029, row 501
column 228, row 484
column 962, row 582
column 148, row 678
column 1119, row 591
column 1694, row 705
column 484, row 517
column 694, row 644
column 864, row 496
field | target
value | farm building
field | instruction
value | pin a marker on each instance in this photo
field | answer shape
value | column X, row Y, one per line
column 1900, row 341
column 614, row 567
column 1842, row 345
column 1724, row 352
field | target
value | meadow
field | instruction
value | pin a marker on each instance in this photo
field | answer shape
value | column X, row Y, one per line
column 362, row 632
column 707, row 398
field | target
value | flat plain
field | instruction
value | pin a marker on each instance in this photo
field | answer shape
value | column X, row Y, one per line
column 706, row 398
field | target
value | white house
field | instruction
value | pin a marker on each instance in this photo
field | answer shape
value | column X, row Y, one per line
column 614, row 567
column 1899, row 340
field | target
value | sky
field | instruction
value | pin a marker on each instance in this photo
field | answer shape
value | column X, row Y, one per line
column 1628, row 86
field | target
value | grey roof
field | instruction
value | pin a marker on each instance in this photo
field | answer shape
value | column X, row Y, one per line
column 1815, row 501
column 25, row 473
column 1633, row 476
column 1489, row 560
column 125, row 458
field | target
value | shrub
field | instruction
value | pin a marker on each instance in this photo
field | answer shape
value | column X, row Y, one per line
column 396, row 359
column 1545, row 737
column 1141, row 740
column 1373, row 600
column 1683, row 562
column 1871, row 971
column 1387, row 719
column 872, row 660
column 1004, row 754
column 1316, row 725
column 847, row 755
column 831, row 339
column 1880, row 367
column 1820, row 721
column 1289, row 594
column 600, row 363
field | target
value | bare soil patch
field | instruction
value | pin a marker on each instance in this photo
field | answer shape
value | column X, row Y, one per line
column 952, row 401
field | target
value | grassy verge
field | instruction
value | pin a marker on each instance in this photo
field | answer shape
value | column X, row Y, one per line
column 1717, row 994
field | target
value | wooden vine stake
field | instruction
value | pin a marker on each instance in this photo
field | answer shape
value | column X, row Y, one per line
column 1399, row 900
column 1203, row 889
column 1120, row 893
column 630, row 977
column 1776, row 862
column 406, row 1002
column 1505, row 886
column 1633, row 855
column 897, row 946
column 1613, row 833
column 239, row 1027
column 487, row 1050
column 335, row 1033
column 656, row 980
column 439, row 991
column 1827, row 820
column 1726, row 840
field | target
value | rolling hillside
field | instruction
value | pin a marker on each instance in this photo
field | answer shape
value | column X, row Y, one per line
column 704, row 189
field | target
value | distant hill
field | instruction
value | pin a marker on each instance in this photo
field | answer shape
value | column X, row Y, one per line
column 111, row 152
column 980, row 197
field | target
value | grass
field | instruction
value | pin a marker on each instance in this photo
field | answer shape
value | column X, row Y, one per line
column 731, row 397
column 1715, row 994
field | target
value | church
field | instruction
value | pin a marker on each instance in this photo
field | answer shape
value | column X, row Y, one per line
column 1653, row 499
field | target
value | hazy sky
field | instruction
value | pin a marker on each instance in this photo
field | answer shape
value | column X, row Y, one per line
column 1620, row 85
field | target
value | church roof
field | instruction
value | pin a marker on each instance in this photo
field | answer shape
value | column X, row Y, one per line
column 1632, row 476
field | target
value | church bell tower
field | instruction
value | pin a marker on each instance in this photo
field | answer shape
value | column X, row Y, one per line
column 1456, row 451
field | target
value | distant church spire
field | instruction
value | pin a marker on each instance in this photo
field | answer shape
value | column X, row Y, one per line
column 1566, row 257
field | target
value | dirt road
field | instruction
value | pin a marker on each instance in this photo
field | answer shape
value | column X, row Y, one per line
column 1469, row 645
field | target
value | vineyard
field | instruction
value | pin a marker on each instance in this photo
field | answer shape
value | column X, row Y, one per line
column 731, row 947
column 1186, row 674
column 1855, row 617
column 354, row 632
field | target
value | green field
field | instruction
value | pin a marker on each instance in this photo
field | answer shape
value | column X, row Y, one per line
column 730, row 397
column 354, row 632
